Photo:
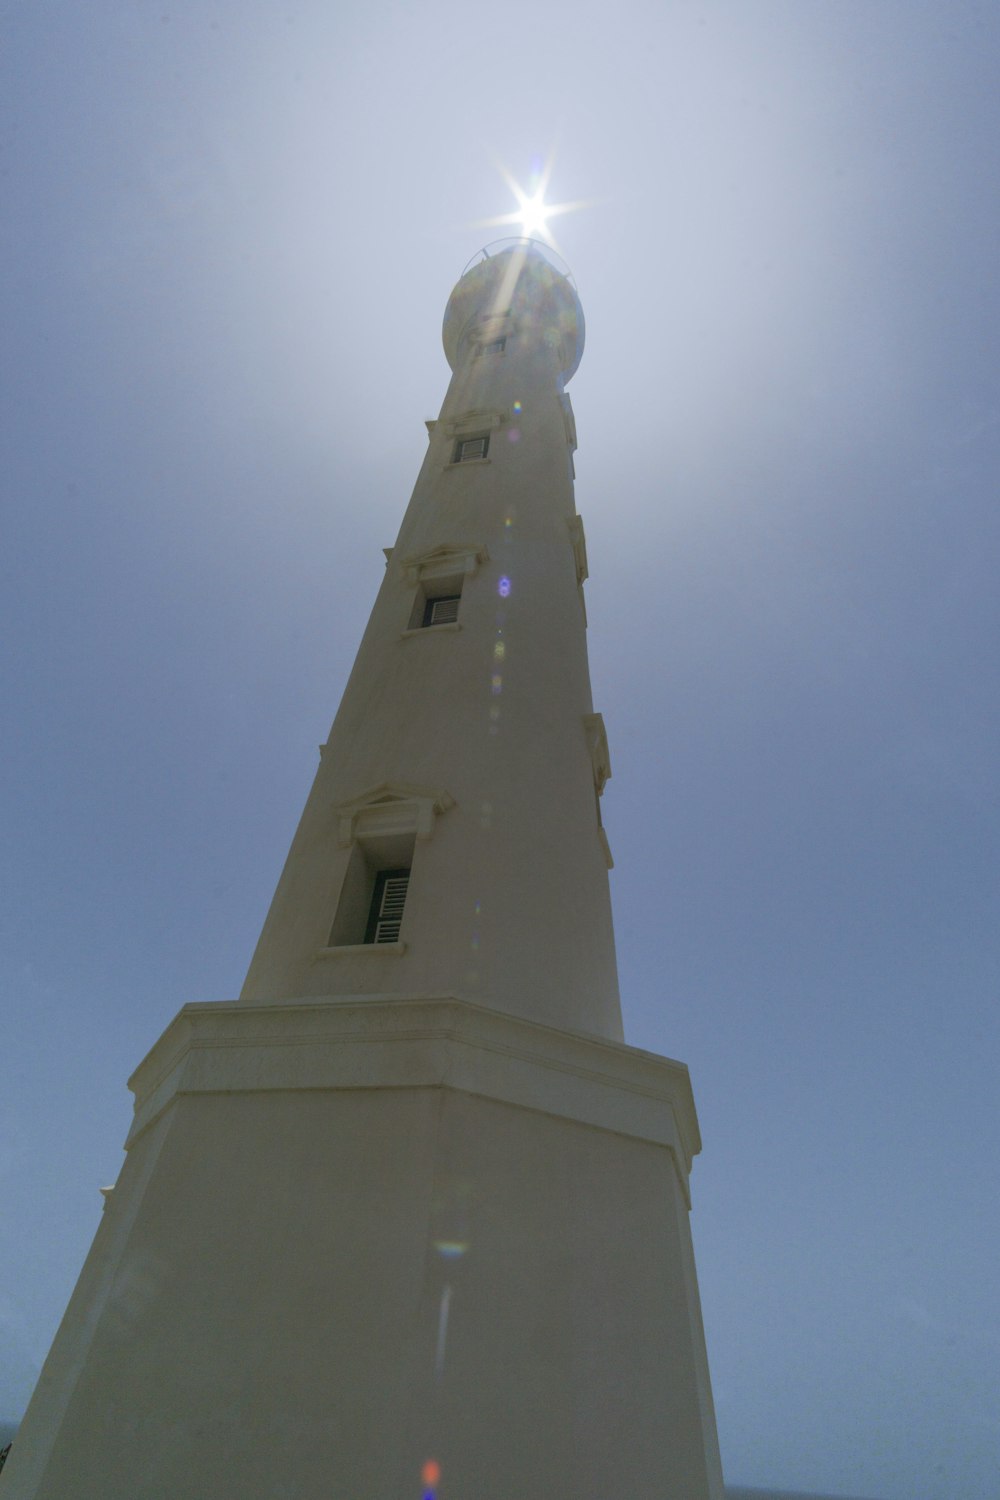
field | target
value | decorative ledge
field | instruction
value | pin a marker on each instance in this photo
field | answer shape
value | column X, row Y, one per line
column 351, row 950
column 449, row 627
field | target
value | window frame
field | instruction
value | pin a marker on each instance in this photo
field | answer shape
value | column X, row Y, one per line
column 380, row 834
column 435, row 576
column 459, row 454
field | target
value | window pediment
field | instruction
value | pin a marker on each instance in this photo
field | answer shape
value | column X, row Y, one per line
column 444, row 561
column 390, row 809
column 579, row 544
column 569, row 421
column 476, row 421
column 597, row 743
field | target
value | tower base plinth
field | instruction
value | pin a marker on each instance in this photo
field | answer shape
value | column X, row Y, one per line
column 359, row 1244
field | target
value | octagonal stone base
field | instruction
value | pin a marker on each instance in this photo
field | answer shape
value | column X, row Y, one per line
column 353, row 1238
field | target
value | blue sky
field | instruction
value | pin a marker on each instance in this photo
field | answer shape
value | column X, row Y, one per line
column 229, row 232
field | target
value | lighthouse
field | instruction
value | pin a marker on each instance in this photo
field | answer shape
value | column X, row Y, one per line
column 409, row 1218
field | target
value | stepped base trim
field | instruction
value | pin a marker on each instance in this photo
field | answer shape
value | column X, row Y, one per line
column 419, row 1042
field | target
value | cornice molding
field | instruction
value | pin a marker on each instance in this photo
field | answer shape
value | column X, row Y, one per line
column 420, row 1041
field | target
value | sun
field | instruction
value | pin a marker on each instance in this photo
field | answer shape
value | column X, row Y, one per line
column 533, row 211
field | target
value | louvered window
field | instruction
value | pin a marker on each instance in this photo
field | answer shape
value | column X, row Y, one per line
column 496, row 347
column 441, row 611
column 472, row 447
column 388, row 900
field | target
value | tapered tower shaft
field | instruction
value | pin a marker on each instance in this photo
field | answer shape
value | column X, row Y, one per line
column 466, row 750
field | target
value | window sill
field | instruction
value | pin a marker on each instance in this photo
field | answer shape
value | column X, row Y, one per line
column 432, row 629
column 468, row 463
column 352, row 950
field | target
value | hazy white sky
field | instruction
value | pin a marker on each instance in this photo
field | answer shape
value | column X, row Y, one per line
column 229, row 232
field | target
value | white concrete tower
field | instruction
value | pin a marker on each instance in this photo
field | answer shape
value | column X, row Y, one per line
column 408, row 1218
column 466, row 749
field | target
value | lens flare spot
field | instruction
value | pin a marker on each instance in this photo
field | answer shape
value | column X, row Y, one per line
column 430, row 1474
column 497, row 684
column 513, row 435
column 451, row 1249
column 503, row 587
column 517, row 408
column 495, row 713
column 499, row 650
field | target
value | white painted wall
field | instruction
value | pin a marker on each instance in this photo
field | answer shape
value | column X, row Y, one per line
column 508, row 902
column 352, row 1236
